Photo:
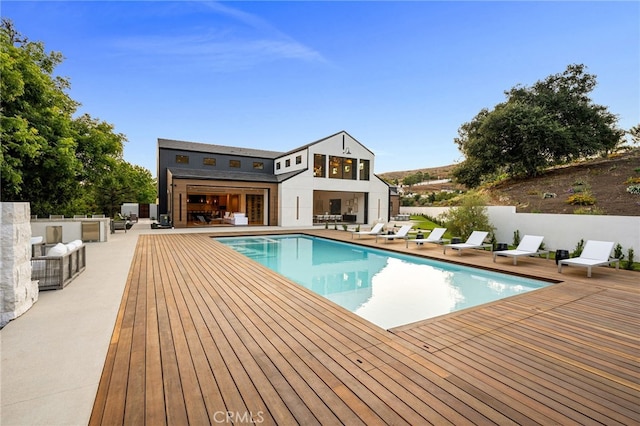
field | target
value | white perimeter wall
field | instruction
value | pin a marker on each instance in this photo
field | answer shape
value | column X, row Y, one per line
column 127, row 208
column 71, row 228
column 560, row 231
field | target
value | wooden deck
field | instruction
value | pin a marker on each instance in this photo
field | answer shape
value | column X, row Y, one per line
column 206, row 336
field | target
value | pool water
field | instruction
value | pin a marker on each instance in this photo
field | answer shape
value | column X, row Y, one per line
column 386, row 288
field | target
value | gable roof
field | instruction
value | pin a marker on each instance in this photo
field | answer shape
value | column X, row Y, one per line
column 243, row 152
column 216, row 149
column 300, row 148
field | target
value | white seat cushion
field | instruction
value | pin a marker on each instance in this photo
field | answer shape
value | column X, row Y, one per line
column 57, row 250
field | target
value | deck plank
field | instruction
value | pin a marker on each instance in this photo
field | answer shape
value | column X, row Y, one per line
column 203, row 333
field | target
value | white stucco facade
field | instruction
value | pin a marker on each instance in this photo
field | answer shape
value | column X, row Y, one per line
column 306, row 195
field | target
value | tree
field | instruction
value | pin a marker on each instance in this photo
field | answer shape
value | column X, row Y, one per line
column 55, row 161
column 98, row 147
column 124, row 183
column 38, row 161
column 552, row 122
column 635, row 133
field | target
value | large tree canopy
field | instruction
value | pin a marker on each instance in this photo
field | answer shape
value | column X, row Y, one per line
column 49, row 158
column 552, row 122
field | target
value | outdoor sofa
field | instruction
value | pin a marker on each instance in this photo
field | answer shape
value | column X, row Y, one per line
column 236, row 219
column 59, row 266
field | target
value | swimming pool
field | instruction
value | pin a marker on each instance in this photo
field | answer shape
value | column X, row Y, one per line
column 386, row 288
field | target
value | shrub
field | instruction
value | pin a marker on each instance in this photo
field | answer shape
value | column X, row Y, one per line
column 630, row 259
column 633, row 189
column 494, row 241
column 578, row 250
column 582, row 199
column 617, row 252
column 516, row 238
column 470, row 216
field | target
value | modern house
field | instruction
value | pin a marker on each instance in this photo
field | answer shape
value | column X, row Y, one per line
column 330, row 179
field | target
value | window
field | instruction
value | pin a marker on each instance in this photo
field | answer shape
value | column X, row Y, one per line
column 335, row 167
column 258, row 165
column 342, row 168
column 182, row 159
column 364, row 170
column 319, row 161
column 278, row 165
column 299, row 159
column 349, row 169
column 209, row 161
column 287, row 162
column 234, row 163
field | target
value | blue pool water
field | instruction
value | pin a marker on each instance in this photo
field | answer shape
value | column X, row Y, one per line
column 386, row 288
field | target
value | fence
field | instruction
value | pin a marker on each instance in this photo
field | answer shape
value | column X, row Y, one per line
column 560, row 231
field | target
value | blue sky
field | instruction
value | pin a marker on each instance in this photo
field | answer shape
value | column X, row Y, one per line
column 400, row 77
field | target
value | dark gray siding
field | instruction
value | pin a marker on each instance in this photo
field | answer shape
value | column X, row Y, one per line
column 167, row 160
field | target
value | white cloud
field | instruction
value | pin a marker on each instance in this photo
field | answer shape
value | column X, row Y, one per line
column 243, row 42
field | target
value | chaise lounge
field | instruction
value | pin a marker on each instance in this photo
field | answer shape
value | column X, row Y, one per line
column 434, row 237
column 595, row 253
column 376, row 230
column 529, row 246
column 402, row 234
column 475, row 241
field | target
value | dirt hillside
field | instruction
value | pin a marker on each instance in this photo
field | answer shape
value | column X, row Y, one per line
column 605, row 181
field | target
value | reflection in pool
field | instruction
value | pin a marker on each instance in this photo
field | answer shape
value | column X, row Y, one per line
column 386, row 288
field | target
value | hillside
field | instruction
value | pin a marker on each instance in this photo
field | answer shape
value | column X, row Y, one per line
column 605, row 179
column 442, row 172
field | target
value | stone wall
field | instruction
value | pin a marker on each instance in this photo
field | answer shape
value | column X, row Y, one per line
column 17, row 292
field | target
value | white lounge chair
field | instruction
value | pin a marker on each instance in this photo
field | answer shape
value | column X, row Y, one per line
column 377, row 229
column 475, row 241
column 595, row 253
column 434, row 237
column 402, row 234
column 529, row 246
